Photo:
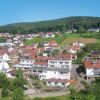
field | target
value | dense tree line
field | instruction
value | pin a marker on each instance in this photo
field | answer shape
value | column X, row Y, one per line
column 63, row 24
column 12, row 88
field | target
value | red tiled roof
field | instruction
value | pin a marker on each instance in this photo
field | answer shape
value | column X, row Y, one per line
column 40, row 50
column 72, row 81
column 40, row 63
column 49, row 33
column 13, row 53
column 53, row 42
column 29, row 47
column 74, row 47
column 89, row 64
column 2, row 51
column 62, row 56
column 29, row 51
column 43, row 58
column 58, row 80
column 55, row 46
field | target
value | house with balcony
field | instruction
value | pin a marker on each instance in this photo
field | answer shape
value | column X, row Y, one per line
column 57, row 68
column 92, row 68
column 24, row 64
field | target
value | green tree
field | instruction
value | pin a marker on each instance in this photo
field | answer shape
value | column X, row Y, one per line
column 19, row 73
column 17, row 94
column 4, row 82
column 18, row 82
column 90, row 97
column 55, row 52
column 4, row 92
column 65, row 51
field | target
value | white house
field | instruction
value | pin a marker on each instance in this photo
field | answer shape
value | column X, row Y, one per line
column 57, row 82
column 50, row 34
column 79, row 43
column 24, row 64
column 58, row 73
column 3, row 66
column 58, row 67
column 92, row 68
column 11, row 73
column 6, row 44
column 5, row 57
column 73, row 48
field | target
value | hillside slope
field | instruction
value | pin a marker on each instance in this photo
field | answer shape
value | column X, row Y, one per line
column 63, row 24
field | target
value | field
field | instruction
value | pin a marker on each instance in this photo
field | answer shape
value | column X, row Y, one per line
column 74, row 39
column 64, row 39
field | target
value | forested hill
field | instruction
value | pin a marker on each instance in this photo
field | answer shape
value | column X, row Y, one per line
column 80, row 23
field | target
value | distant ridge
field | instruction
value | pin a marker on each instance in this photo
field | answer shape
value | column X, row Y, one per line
column 75, row 22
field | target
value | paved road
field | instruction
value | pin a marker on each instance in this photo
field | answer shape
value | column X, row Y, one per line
column 73, row 71
column 50, row 94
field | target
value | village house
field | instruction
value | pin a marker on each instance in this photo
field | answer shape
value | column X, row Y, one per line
column 95, row 54
column 57, row 82
column 78, row 43
column 5, row 35
column 54, row 45
column 11, row 73
column 24, row 64
column 92, row 68
column 94, row 30
column 57, row 67
column 27, row 55
column 50, row 34
column 4, row 58
column 4, row 54
column 14, row 56
column 6, row 44
column 73, row 48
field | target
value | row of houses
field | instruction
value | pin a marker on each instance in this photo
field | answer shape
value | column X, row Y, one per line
column 55, row 69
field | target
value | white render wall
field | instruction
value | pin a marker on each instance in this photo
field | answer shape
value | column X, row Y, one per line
column 24, row 64
column 89, row 72
column 58, row 84
column 53, row 74
column 60, row 63
column 72, row 51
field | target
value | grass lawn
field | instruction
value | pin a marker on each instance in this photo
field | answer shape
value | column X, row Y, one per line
column 65, row 97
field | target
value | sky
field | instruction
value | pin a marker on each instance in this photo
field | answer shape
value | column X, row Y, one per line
column 14, row 11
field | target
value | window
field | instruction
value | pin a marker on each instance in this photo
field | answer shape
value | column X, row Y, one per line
column 63, row 84
column 62, row 72
column 56, row 83
column 61, row 62
column 66, row 62
column 52, row 66
column 52, row 62
column 54, row 72
column 45, row 71
column 66, row 66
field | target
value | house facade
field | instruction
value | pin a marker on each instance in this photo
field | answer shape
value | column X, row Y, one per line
column 57, row 68
column 92, row 68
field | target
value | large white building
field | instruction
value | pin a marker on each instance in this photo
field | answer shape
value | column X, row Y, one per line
column 57, row 68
